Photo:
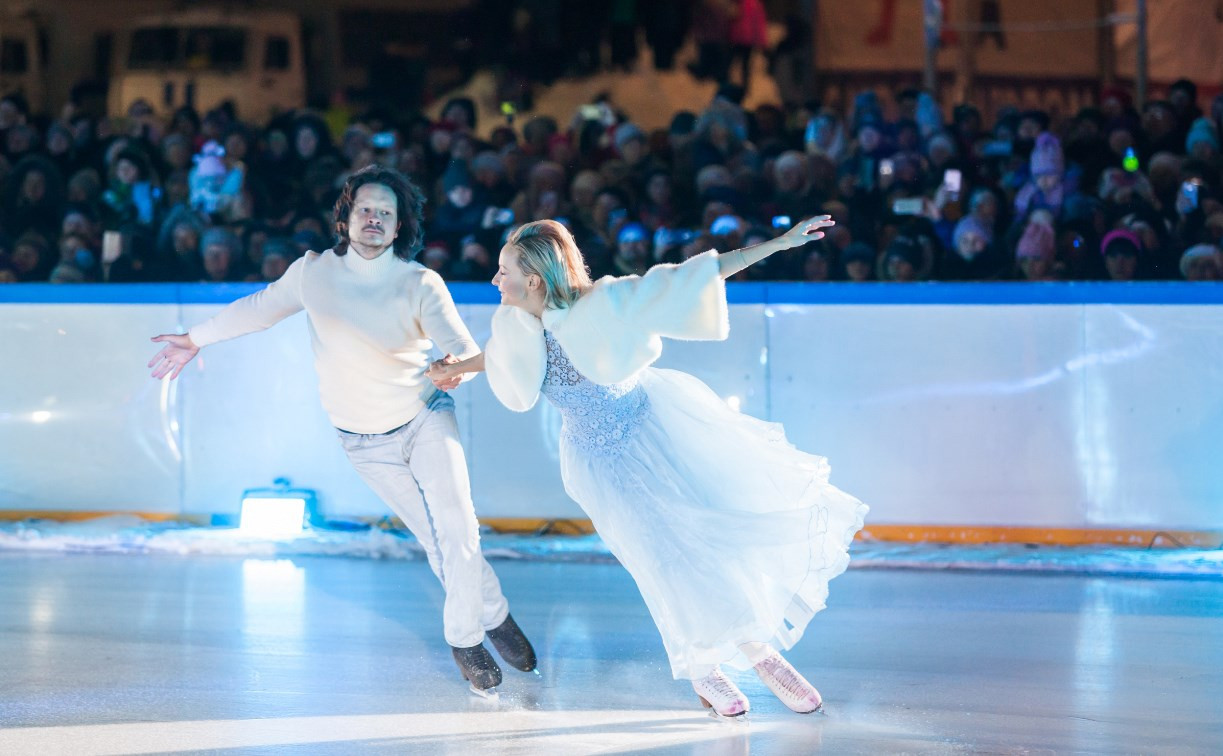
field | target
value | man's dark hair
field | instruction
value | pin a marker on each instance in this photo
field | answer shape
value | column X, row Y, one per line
column 409, row 201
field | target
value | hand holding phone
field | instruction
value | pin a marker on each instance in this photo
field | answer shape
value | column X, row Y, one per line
column 112, row 246
column 953, row 180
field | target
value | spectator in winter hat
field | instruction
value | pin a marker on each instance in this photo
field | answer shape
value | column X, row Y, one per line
column 1035, row 253
column 858, row 260
column 1202, row 262
column 1046, row 188
column 903, row 259
column 1203, row 141
column 1121, row 249
column 630, row 140
column 461, row 209
column 219, row 249
column 632, row 250
column 973, row 257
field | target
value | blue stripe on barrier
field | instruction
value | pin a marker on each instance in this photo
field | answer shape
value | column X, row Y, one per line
column 778, row 293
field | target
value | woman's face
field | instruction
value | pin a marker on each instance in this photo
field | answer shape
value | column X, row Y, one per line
column 858, row 270
column 186, row 240
column 235, row 147
column 900, row 269
column 815, row 267
column 517, row 288
column 25, row 258
column 58, row 142
column 1035, row 268
column 306, row 142
column 1121, row 267
column 126, row 172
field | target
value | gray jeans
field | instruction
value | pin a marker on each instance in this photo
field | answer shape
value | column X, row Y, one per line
column 420, row 472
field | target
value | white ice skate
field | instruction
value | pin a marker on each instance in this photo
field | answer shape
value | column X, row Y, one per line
column 788, row 685
column 719, row 693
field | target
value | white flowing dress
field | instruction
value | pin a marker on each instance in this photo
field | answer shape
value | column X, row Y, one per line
column 730, row 532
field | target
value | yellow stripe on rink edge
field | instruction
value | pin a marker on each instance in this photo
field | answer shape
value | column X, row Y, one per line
column 975, row 534
column 1198, row 539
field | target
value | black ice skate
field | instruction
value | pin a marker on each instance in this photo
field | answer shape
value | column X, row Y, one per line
column 513, row 646
column 479, row 669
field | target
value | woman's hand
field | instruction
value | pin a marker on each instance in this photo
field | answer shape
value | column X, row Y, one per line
column 806, row 231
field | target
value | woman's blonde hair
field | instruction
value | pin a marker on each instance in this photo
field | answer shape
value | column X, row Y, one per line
column 547, row 249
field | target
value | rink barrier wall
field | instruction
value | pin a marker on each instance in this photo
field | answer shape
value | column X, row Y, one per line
column 1049, row 413
column 1195, row 539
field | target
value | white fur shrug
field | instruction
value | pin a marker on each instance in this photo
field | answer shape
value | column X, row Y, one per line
column 610, row 333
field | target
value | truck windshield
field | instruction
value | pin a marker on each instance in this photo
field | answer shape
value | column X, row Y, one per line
column 196, row 48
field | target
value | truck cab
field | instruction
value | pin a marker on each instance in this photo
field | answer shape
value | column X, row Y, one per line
column 203, row 57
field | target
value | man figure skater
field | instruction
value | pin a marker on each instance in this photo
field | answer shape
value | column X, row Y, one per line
column 373, row 312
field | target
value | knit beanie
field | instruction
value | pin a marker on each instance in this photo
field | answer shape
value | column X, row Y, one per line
column 1121, row 241
column 1037, row 241
column 1202, row 130
column 456, row 175
column 1047, row 156
column 1194, row 252
column 970, row 224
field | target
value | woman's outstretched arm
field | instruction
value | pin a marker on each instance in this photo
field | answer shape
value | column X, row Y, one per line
column 446, row 372
column 809, row 230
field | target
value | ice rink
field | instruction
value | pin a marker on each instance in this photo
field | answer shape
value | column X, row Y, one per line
column 156, row 653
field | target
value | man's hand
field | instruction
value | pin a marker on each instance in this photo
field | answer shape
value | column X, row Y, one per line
column 174, row 356
column 441, row 376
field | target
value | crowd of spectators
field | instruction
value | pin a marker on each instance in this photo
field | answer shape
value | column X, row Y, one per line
column 1112, row 193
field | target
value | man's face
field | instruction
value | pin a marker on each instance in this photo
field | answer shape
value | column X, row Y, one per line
column 273, row 267
column 633, row 151
column 216, row 261
column 34, row 186
column 634, row 250
column 1029, row 129
column 659, row 189
column 75, row 223
column 373, row 222
column 868, row 139
column 985, row 207
column 459, row 196
column 970, row 244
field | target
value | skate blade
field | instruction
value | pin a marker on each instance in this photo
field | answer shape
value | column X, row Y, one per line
column 488, row 694
column 740, row 717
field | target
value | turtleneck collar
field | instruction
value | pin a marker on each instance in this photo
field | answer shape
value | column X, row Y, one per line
column 354, row 262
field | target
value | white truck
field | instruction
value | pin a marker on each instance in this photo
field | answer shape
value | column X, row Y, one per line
column 205, row 56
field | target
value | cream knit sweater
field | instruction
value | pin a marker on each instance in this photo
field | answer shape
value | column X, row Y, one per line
column 372, row 323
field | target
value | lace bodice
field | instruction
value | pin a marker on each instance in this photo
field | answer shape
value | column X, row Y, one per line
column 595, row 418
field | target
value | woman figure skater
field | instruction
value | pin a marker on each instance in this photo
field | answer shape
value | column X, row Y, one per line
column 730, row 532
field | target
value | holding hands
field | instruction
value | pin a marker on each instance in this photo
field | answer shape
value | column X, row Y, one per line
column 443, row 376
